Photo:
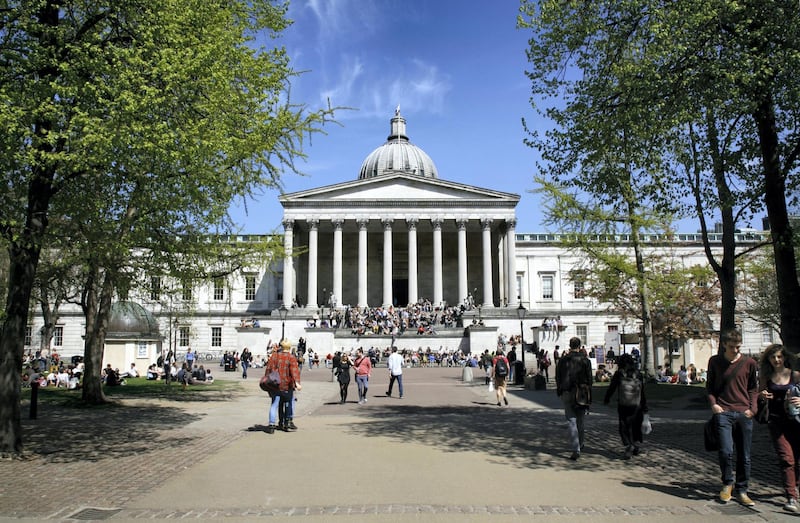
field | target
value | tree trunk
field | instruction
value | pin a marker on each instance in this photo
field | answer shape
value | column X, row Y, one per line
column 780, row 228
column 12, row 345
column 97, row 308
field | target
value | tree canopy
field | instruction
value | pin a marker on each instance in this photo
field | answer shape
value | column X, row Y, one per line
column 130, row 124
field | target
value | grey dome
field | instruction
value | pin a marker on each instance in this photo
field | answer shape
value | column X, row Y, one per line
column 129, row 319
column 398, row 155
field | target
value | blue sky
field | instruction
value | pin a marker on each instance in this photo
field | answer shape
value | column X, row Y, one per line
column 455, row 68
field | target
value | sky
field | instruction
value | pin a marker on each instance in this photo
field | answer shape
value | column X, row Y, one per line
column 456, row 68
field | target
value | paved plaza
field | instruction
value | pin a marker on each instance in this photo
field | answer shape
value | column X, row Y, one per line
column 445, row 452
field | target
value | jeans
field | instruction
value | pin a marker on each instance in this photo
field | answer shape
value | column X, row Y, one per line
column 281, row 408
column 244, row 368
column 735, row 430
column 575, row 416
column 363, row 385
column 399, row 379
column 786, row 440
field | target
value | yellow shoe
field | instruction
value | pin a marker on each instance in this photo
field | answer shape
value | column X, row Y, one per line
column 725, row 493
column 744, row 499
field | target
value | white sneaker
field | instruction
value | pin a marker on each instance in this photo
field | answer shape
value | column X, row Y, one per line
column 791, row 505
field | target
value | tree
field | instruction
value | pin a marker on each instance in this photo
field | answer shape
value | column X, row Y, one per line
column 715, row 85
column 132, row 120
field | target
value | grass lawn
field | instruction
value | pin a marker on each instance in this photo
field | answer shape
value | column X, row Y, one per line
column 142, row 388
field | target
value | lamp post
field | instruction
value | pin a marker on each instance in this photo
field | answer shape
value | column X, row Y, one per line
column 282, row 312
column 521, row 311
column 322, row 301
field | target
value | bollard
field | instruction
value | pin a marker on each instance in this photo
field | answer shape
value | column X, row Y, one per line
column 34, row 398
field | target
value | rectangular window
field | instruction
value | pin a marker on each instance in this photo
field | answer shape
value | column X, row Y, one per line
column 28, row 335
column 766, row 334
column 58, row 337
column 155, row 288
column 219, row 289
column 183, row 336
column 613, row 328
column 187, row 291
column 547, row 286
column 250, row 287
column 581, row 331
column 216, row 336
column 578, row 289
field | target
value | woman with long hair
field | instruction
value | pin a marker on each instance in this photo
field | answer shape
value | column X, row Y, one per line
column 776, row 378
column 343, row 377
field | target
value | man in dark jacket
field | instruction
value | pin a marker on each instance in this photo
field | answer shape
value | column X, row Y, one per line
column 574, row 379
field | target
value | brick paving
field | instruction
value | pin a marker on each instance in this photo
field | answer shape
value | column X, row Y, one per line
column 93, row 464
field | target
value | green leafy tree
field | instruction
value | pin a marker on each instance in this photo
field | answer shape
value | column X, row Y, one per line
column 709, row 88
column 134, row 122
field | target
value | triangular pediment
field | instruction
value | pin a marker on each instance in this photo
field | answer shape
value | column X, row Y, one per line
column 397, row 187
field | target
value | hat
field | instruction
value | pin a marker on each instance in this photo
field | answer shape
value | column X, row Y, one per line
column 285, row 344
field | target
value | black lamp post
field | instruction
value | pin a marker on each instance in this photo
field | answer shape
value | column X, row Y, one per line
column 282, row 312
column 521, row 311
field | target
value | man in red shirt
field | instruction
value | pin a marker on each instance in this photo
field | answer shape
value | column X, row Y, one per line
column 732, row 387
column 285, row 363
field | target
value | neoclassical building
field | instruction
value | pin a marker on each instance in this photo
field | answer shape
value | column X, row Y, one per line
column 396, row 234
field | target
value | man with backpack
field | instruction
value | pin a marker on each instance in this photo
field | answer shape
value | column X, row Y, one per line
column 500, row 369
column 574, row 387
column 628, row 383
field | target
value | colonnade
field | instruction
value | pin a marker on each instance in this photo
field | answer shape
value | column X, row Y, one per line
column 505, row 264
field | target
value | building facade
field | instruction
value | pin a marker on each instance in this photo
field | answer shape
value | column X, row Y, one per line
column 400, row 234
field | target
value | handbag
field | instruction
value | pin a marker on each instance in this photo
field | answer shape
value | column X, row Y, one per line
column 762, row 415
column 711, row 434
column 270, row 382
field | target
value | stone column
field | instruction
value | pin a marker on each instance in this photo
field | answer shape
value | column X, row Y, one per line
column 387, row 261
column 511, row 261
column 337, row 261
column 362, row 262
column 437, row 261
column 413, row 292
column 462, row 260
column 288, row 264
column 486, row 234
column 313, row 247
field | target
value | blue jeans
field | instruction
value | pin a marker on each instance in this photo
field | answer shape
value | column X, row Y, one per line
column 735, row 430
column 575, row 416
column 280, row 409
column 363, row 385
column 399, row 379
column 244, row 368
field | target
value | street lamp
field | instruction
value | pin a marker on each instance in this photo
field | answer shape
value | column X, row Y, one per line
column 521, row 311
column 282, row 312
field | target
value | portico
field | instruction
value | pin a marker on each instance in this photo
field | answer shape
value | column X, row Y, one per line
column 397, row 235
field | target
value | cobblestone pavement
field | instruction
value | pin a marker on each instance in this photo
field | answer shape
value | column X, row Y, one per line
column 105, row 463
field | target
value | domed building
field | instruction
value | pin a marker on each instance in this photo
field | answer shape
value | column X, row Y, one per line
column 133, row 336
column 398, row 234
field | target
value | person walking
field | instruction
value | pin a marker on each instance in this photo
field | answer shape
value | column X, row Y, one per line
column 247, row 358
column 732, row 393
column 395, row 363
column 775, row 379
column 628, row 383
column 573, row 386
column 500, row 370
column 363, row 367
column 342, row 373
column 281, row 409
column 511, row 357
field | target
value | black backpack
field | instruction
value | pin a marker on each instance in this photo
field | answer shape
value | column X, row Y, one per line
column 630, row 390
column 501, row 368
